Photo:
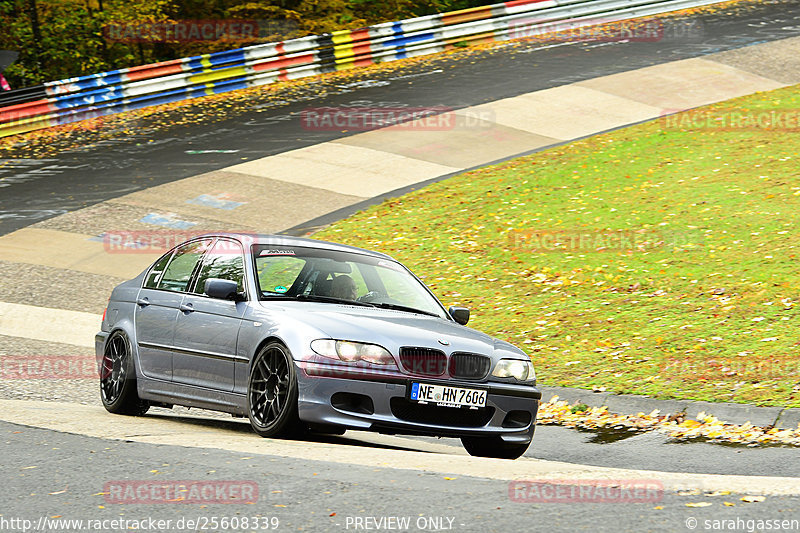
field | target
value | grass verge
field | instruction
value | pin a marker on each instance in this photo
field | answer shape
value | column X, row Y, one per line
column 660, row 259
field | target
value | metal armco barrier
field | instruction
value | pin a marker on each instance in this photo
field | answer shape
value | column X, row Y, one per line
column 74, row 99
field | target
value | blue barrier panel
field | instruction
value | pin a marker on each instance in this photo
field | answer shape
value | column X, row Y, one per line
column 104, row 93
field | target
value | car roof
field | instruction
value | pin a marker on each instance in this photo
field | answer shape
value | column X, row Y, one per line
column 303, row 242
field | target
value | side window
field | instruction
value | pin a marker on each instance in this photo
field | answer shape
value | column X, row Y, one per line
column 179, row 271
column 224, row 261
column 154, row 276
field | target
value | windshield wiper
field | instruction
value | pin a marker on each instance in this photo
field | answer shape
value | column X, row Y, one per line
column 333, row 299
column 397, row 307
column 382, row 305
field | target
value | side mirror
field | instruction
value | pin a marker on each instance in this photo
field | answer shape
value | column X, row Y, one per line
column 459, row 314
column 222, row 289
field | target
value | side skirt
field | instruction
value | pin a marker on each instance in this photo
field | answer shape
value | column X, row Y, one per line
column 191, row 396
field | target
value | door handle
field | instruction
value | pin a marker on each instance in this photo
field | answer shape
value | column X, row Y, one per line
column 186, row 308
column 144, row 302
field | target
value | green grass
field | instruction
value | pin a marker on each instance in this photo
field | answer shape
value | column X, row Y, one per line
column 706, row 307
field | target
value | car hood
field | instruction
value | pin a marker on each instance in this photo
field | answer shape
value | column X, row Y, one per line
column 389, row 328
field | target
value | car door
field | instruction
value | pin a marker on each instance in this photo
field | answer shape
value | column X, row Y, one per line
column 207, row 328
column 157, row 307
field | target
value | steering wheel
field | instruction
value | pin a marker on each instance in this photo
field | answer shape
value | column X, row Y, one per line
column 370, row 297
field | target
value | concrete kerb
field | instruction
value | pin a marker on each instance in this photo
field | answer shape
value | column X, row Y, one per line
column 789, row 418
column 736, row 413
column 629, row 404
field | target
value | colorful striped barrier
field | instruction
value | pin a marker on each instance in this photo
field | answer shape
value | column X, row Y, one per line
column 105, row 93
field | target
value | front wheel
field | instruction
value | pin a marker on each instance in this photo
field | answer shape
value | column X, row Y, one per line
column 118, row 378
column 493, row 447
column 272, row 393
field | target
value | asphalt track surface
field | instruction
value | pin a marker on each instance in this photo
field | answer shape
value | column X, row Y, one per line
column 33, row 190
column 64, row 475
column 654, row 451
column 70, row 469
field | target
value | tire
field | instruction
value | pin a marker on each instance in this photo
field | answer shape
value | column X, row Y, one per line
column 493, row 447
column 272, row 393
column 118, row 378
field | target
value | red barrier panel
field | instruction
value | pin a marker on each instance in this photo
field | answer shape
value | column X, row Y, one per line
column 28, row 109
column 155, row 70
column 282, row 63
column 515, row 3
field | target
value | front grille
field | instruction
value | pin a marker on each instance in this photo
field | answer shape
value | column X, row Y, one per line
column 440, row 416
column 423, row 361
column 469, row 365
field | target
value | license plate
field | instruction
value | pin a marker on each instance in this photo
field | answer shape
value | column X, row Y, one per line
column 447, row 396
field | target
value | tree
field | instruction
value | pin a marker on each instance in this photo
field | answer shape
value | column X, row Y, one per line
column 65, row 38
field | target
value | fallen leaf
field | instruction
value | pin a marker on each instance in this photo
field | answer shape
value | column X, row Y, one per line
column 753, row 499
column 698, row 504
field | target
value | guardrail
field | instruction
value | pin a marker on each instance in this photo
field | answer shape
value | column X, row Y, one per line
column 74, row 99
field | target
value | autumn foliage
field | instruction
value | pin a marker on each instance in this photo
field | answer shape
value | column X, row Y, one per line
column 59, row 39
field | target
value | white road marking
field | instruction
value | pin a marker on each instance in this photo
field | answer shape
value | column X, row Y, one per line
column 46, row 324
column 94, row 421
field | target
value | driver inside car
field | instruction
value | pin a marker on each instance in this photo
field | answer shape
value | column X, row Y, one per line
column 344, row 287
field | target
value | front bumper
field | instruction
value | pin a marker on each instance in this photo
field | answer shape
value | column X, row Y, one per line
column 510, row 411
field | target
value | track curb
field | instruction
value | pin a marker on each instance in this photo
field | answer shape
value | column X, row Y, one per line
column 631, row 404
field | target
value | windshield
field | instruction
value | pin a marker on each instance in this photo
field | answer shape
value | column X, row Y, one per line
column 293, row 272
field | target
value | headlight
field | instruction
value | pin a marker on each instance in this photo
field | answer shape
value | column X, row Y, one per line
column 514, row 368
column 353, row 352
